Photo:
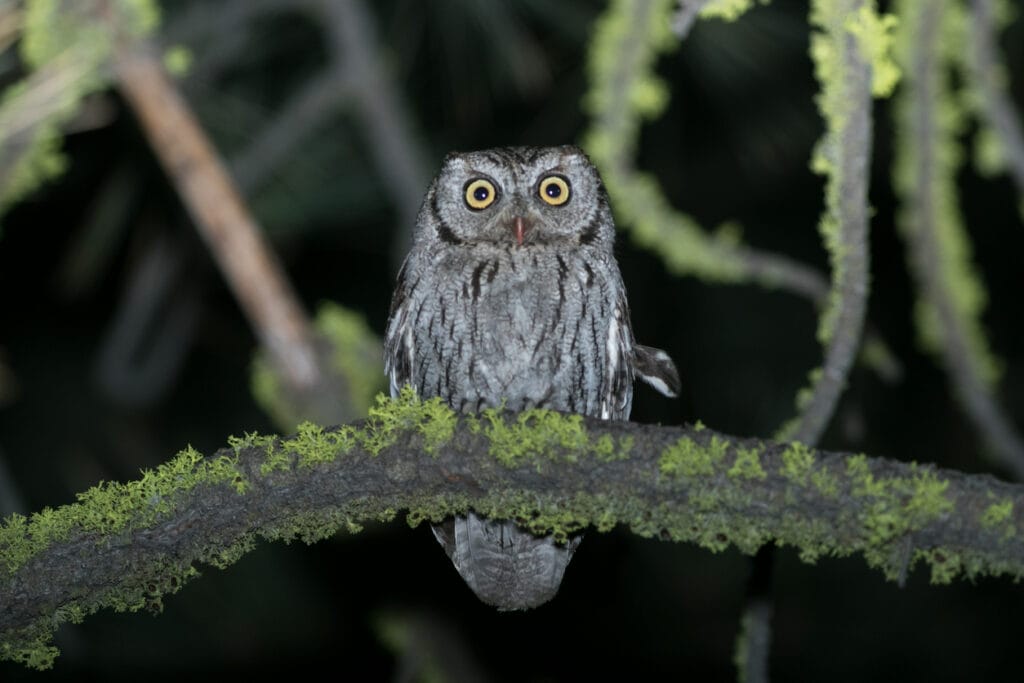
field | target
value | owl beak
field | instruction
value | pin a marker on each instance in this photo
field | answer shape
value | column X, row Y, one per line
column 520, row 227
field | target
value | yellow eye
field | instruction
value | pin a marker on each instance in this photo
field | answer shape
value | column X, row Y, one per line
column 480, row 194
column 554, row 190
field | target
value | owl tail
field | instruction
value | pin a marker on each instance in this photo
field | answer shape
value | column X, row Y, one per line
column 506, row 566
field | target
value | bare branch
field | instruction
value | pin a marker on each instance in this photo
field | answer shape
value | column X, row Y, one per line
column 221, row 216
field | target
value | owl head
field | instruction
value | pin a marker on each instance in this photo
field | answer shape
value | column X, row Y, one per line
column 517, row 197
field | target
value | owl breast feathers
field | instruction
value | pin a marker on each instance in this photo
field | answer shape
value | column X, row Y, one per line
column 511, row 295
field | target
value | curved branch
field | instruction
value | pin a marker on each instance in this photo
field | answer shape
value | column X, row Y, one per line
column 126, row 545
column 843, row 155
column 624, row 91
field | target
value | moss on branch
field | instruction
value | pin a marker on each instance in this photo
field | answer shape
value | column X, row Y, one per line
column 126, row 545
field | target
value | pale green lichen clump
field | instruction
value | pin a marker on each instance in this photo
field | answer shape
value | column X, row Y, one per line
column 537, row 434
column 897, row 506
column 687, row 458
column 729, row 10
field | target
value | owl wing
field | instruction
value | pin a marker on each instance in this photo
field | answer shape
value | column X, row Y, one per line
column 626, row 360
column 398, row 341
column 656, row 368
column 618, row 379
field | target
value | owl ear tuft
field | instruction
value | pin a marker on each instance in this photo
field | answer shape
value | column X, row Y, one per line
column 656, row 368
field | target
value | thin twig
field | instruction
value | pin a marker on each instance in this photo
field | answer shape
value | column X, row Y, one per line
column 385, row 118
column 305, row 112
column 355, row 76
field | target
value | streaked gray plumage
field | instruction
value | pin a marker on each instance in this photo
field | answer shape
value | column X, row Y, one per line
column 511, row 293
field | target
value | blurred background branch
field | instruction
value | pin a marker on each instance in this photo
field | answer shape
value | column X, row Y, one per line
column 625, row 91
column 951, row 296
column 1001, row 141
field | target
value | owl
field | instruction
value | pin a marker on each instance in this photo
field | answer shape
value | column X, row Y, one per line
column 511, row 296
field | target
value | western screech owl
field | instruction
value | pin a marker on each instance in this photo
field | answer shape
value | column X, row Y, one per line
column 511, row 294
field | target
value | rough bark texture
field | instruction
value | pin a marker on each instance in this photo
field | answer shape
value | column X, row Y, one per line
column 552, row 473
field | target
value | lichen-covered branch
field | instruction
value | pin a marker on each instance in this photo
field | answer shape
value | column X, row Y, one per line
column 624, row 91
column 124, row 546
column 1003, row 136
column 844, row 68
column 65, row 64
column 951, row 296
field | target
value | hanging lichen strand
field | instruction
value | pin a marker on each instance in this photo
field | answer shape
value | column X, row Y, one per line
column 930, row 117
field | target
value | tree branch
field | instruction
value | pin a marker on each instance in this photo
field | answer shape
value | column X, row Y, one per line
column 220, row 215
column 951, row 294
column 624, row 90
column 996, row 105
column 126, row 545
column 843, row 155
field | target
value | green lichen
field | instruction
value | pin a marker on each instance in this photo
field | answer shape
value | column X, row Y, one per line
column 748, row 464
column 987, row 85
column 111, row 507
column 797, row 463
column 106, row 510
column 895, row 507
column 625, row 90
column 687, row 458
column 67, row 47
column 538, row 434
column 313, row 446
column 403, row 633
column 997, row 513
column 1000, row 515
column 728, row 10
column 357, row 352
column 431, row 419
column 825, row 483
column 178, row 60
column 834, row 68
column 874, row 34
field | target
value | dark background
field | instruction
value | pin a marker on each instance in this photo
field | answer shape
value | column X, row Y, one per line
column 734, row 144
